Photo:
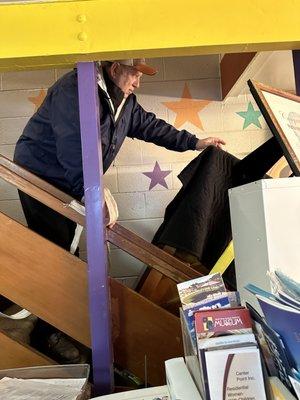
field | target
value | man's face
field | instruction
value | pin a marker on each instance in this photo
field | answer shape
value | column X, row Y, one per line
column 127, row 78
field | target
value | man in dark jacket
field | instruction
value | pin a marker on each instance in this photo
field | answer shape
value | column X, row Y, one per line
column 50, row 145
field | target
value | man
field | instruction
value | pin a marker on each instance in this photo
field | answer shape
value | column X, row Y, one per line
column 50, row 145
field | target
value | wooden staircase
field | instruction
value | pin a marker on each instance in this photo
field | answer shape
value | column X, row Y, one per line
column 52, row 284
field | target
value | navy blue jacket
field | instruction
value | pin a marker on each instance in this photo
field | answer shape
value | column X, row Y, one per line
column 50, row 145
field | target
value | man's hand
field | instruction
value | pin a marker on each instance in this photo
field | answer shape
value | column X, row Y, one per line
column 210, row 141
column 111, row 209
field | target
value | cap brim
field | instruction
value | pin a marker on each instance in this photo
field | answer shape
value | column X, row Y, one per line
column 146, row 69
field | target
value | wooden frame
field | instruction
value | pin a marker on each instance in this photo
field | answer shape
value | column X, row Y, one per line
column 281, row 111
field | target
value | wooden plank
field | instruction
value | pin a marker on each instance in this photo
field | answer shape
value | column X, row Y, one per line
column 52, row 284
column 142, row 330
column 161, row 290
column 232, row 67
column 150, row 284
column 17, row 355
column 44, row 278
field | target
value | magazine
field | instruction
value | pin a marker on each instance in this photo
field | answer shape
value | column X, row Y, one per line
column 281, row 366
column 284, row 320
column 282, row 282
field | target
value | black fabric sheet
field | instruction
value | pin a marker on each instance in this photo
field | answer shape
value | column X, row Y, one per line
column 198, row 219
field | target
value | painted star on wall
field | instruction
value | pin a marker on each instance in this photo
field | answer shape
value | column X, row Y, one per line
column 157, row 176
column 37, row 100
column 187, row 109
column 250, row 116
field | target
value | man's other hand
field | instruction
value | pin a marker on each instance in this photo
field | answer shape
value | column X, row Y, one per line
column 210, row 141
column 111, row 209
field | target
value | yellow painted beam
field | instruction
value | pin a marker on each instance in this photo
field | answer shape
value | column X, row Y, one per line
column 61, row 33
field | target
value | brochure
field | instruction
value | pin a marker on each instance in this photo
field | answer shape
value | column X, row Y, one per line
column 222, row 322
column 234, row 373
column 284, row 320
column 199, row 289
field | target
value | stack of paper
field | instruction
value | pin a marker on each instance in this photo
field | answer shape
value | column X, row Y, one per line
column 40, row 389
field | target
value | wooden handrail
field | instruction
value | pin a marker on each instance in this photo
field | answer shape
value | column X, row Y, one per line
column 117, row 235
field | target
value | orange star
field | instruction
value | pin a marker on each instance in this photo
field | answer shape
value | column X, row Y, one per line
column 38, row 99
column 187, row 109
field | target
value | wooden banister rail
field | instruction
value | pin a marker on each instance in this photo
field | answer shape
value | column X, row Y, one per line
column 121, row 237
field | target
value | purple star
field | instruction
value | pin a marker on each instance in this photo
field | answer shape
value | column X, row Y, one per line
column 157, row 176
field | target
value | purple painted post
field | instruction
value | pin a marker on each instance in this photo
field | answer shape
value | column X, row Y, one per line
column 296, row 60
column 99, row 301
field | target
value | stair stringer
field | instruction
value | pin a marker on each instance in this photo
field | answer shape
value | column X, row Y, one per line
column 52, row 284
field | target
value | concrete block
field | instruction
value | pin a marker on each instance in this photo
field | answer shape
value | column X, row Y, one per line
column 11, row 129
column 124, row 265
column 240, row 99
column 130, row 205
column 8, row 191
column 145, row 228
column 7, row 150
column 193, row 67
column 176, row 169
column 237, row 141
column 257, row 138
column 59, row 72
column 110, row 179
column 151, row 98
column 211, row 118
column 15, row 103
column 27, row 79
column 156, row 203
column 132, row 179
column 159, row 65
column 152, row 153
column 130, row 153
column 234, row 122
column 13, row 209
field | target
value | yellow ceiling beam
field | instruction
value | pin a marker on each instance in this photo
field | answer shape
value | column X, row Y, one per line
column 47, row 34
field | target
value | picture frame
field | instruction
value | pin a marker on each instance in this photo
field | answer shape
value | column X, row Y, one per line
column 281, row 111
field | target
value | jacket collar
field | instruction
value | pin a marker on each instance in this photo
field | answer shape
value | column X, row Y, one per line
column 102, row 84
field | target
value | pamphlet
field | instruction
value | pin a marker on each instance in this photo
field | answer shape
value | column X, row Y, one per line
column 220, row 322
column 234, row 374
column 199, row 289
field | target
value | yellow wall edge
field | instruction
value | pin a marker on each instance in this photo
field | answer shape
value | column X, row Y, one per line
column 41, row 35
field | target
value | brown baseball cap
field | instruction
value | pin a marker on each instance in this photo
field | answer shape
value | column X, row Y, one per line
column 139, row 64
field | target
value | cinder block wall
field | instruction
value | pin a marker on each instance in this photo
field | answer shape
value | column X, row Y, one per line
column 141, row 209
